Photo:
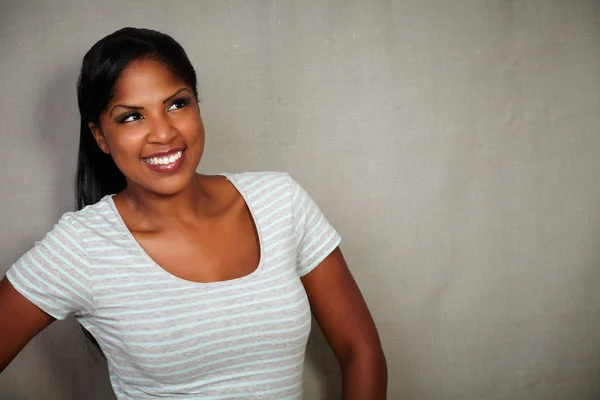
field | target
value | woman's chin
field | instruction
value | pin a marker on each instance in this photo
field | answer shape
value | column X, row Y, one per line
column 164, row 186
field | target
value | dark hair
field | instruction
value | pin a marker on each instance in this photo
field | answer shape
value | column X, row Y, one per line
column 97, row 174
column 103, row 64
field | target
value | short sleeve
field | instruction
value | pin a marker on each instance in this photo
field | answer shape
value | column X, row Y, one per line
column 316, row 237
column 55, row 274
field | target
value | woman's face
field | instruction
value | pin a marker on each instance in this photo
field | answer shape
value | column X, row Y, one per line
column 152, row 129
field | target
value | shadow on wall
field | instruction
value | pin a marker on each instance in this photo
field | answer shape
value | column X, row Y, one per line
column 58, row 360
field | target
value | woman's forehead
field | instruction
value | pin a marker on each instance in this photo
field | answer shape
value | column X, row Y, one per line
column 146, row 79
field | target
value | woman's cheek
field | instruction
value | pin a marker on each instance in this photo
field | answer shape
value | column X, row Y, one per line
column 130, row 141
column 126, row 150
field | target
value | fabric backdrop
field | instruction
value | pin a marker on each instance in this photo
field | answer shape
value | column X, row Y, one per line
column 453, row 143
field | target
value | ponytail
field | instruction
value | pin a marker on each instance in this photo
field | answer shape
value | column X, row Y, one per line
column 97, row 173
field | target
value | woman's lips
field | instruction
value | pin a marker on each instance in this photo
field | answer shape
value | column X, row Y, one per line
column 165, row 164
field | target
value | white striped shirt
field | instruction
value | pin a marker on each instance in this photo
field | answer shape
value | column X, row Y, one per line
column 164, row 336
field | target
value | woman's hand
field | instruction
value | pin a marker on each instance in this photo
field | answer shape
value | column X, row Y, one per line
column 344, row 318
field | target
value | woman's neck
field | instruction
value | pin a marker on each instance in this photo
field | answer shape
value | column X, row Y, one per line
column 185, row 205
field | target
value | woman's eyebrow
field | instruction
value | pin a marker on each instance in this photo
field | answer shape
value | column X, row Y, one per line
column 124, row 106
column 141, row 108
column 174, row 94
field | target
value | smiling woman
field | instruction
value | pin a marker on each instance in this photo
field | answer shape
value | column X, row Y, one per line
column 194, row 286
column 152, row 126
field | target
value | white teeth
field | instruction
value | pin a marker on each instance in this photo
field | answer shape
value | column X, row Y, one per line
column 164, row 160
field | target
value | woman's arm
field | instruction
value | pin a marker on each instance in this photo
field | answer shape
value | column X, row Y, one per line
column 344, row 318
column 20, row 321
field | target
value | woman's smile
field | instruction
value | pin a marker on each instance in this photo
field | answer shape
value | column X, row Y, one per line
column 165, row 162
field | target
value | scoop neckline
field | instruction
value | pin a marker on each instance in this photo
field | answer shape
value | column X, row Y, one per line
column 155, row 265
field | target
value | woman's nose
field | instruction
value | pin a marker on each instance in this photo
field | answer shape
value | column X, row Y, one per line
column 161, row 130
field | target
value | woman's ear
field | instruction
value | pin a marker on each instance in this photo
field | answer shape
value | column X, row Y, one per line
column 100, row 139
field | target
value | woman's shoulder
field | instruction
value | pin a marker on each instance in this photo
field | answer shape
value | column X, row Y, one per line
column 90, row 215
column 256, row 175
column 258, row 180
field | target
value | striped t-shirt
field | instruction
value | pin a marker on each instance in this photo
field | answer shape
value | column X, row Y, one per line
column 164, row 336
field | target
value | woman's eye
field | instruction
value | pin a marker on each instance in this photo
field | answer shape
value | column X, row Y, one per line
column 130, row 117
column 179, row 103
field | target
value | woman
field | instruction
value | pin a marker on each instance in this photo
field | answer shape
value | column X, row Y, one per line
column 194, row 286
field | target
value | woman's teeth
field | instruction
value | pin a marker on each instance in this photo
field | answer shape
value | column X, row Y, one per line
column 164, row 160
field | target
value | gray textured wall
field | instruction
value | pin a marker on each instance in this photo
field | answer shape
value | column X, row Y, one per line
column 454, row 144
